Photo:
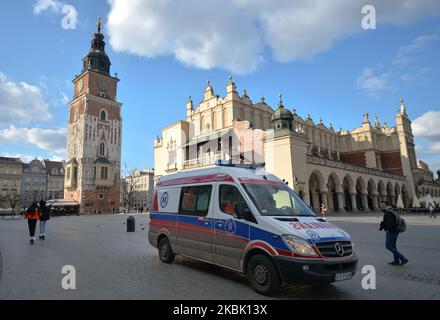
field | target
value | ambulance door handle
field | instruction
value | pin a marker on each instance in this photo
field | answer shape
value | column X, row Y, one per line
column 220, row 223
column 206, row 222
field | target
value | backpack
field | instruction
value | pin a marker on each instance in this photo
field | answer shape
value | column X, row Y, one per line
column 400, row 223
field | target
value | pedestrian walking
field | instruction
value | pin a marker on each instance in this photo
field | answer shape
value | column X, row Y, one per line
column 323, row 210
column 32, row 215
column 44, row 217
column 432, row 211
column 393, row 225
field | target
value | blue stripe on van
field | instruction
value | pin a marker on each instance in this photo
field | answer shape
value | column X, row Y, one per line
column 255, row 233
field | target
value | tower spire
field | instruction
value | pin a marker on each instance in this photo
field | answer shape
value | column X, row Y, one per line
column 280, row 103
column 98, row 24
column 96, row 59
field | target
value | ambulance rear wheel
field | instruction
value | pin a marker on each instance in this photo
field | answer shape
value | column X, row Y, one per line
column 263, row 275
column 166, row 254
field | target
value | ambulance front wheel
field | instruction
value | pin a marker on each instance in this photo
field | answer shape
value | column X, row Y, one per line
column 263, row 275
column 166, row 253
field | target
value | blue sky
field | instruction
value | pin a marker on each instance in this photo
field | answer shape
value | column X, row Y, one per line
column 318, row 56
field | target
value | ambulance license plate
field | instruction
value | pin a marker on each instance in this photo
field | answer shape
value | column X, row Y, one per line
column 343, row 276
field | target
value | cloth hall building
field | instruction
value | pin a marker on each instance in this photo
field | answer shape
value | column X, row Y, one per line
column 344, row 170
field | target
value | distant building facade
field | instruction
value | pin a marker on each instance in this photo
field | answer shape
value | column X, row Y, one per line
column 55, row 179
column 141, row 186
column 344, row 170
column 10, row 181
column 94, row 132
column 33, row 182
column 22, row 183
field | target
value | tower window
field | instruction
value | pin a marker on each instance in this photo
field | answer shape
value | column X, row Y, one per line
column 103, row 116
column 104, row 173
column 102, row 149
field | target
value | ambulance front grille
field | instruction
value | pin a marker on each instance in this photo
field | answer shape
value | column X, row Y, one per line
column 332, row 250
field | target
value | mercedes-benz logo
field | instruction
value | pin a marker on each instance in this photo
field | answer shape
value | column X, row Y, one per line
column 339, row 249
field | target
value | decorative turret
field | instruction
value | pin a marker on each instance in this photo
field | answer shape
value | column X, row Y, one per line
column 402, row 108
column 209, row 91
column 282, row 118
column 376, row 122
column 231, row 88
column 189, row 104
column 366, row 118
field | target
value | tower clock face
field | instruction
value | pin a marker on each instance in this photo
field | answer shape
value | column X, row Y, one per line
column 103, row 84
column 80, row 85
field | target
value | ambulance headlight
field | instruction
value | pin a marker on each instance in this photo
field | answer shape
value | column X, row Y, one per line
column 299, row 245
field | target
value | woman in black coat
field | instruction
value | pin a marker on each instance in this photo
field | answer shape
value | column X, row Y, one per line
column 45, row 216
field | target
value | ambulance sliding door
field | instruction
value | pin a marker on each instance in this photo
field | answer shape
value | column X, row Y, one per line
column 195, row 235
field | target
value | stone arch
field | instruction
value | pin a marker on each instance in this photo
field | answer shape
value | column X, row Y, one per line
column 361, row 192
column 348, row 191
column 317, row 188
column 334, row 188
column 390, row 193
column 381, row 190
column 372, row 195
column 405, row 196
column 397, row 190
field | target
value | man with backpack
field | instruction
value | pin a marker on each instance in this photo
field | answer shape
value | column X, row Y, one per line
column 393, row 224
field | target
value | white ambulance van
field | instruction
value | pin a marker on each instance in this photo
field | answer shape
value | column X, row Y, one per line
column 251, row 222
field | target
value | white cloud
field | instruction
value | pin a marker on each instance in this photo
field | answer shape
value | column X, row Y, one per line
column 405, row 54
column 21, row 102
column 416, row 73
column 43, row 5
column 69, row 12
column 232, row 34
column 426, row 131
column 50, row 140
column 401, row 70
column 374, row 81
column 427, row 125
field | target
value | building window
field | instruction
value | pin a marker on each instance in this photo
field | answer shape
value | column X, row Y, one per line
column 104, row 173
column 103, row 115
column 171, row 152
column 102, row 149
column 101, row 196
column 68, row 174
column 75, row 173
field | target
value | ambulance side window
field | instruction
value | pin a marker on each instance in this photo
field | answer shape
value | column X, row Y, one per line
column 228, row 196
column 195, row 200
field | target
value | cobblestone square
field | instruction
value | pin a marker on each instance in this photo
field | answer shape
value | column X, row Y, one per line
column 113, row 264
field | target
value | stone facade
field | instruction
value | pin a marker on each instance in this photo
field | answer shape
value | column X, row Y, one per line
column 55, row 179
column 140, row 185
column 94, row 135
column 33, row 182
column 10, row 181
column 345, row 170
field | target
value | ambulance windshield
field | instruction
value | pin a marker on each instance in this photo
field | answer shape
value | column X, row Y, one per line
column 276, row 200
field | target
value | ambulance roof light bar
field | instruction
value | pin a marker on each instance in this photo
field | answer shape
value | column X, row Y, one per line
column 230, row 163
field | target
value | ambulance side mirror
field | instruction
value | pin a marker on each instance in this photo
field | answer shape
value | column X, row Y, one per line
column 241, row 211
